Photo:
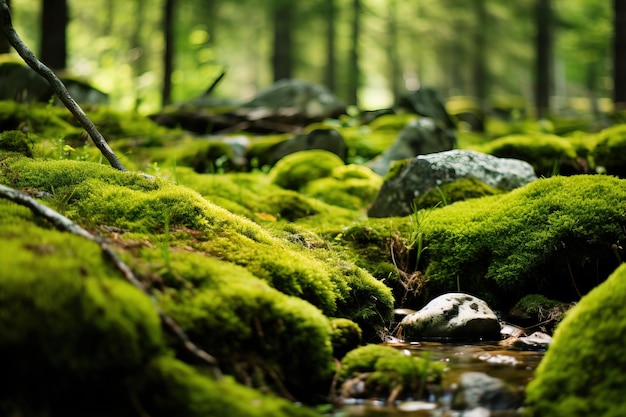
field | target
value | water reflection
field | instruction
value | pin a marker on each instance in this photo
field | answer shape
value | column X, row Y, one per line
column 514, row 366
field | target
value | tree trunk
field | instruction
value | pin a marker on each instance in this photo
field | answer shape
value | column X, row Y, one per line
column 282, row 58
column 354, row 73
column 5, row 47
column 480, row 63
column 395, row 74
column 543, row 49
column 329, row 71
column 619, row 55
column 54, row 20
column 168, row 54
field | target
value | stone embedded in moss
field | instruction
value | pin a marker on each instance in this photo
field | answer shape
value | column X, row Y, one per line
column 582, row 373
column 297, row 169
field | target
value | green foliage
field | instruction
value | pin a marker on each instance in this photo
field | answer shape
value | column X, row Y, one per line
column 543, row 151
column 582, row 372
column 450, row 192
column 609, row 152
column 553, row 237
column 385, row 369
column 295, row 170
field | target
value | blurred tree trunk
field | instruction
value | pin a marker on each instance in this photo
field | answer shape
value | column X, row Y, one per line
column 329, row 71
column 619, row 55
column 54, row 20
column 5, row 48
column 168, row 54
column 354, row 73
column 395, row 74
column 543, row 50
column 282, row 58
column 480, row 57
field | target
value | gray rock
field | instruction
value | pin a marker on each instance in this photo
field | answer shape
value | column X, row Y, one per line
column 537, row 340
column 426, row 172
column 476, row 389
column 309, row 99
column 419, row 137
column 426, row 102
column 327, row 139
column 455, row 316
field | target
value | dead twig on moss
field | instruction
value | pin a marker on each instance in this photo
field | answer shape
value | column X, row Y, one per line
column 57, row 85
column 64, row 224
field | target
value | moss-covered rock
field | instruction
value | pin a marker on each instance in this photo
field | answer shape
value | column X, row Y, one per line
column 582, row 372
column 297, row 169
column 450, row 192
column 557, row 237
column 609, row 152
column 386, row 372
column 346, row 335
column 548, row 154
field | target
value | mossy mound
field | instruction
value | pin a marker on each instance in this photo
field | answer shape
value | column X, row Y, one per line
column 548, row 154
column 582, row 373
column 16, row 141
column 610, row 150
column 459, row 190
column 346, row 335
column 172, row 388
column 72, row 334
column 555, row 237
column 387, row 372
column 349, row 186
column 295, row 170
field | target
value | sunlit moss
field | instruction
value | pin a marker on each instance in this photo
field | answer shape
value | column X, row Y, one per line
column 582, row 372
column 295, row 170
column 346, row 335
column 450, row 192
column 609, row 152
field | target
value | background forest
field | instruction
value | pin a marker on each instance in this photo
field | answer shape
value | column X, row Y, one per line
column 552, row 54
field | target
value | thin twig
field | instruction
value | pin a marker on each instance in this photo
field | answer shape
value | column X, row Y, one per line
column 57, row 85
column 64, row 224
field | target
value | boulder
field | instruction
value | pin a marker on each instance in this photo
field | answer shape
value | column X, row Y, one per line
column 426, row 102
column 455, row 316
column 422, row 136
column 308, row 99
column 426, row 172
column 479, row 390
column 326, row 139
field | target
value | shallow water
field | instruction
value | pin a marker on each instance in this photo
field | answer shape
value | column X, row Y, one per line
column 514, row 366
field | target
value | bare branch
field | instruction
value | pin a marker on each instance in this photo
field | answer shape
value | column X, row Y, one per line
column 64, row 224
column 57, row 85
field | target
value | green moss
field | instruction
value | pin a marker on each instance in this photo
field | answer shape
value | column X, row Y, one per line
column 396, row 168
column 582, row 372
column 459, row 190
column 548, row 237
column 69, row 327
column 252, row 328
column 533, row 304
column 16, row 141
column 610, row 150
column 548, row 154
column 346, row 335
column 172, row 388
column 364, row 143
column 385, row 369
column 297, row 169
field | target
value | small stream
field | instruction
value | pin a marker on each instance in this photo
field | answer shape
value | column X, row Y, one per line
column 514, row 366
